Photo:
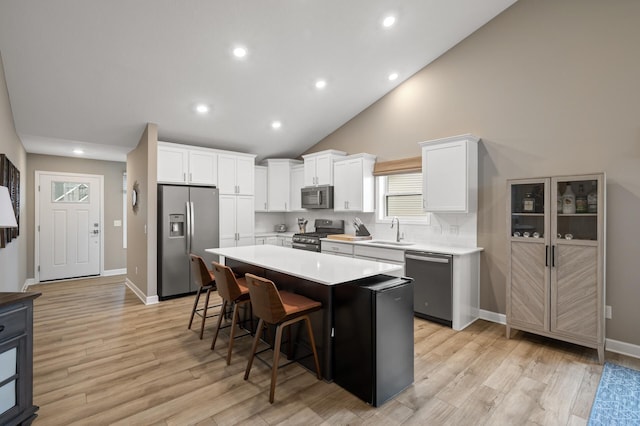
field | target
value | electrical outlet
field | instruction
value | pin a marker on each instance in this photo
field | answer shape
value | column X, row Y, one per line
column 607, row 312
column 453, row 229
column 437, row 229
column 117, row 223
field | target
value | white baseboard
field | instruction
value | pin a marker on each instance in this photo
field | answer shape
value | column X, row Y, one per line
column 147, row 300
column 112, row 272
column 27, row 283
column 622, row 348
column 493, row 317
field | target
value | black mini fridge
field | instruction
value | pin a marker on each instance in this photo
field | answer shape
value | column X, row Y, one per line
column 373, row 337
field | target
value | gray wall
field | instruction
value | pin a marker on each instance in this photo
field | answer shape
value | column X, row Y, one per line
column 551, row 87
column 13, row 258
column 115, row 256
column 142, row 224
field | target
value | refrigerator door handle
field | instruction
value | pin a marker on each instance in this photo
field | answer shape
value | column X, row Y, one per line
column 193, row 224
column 188, row 239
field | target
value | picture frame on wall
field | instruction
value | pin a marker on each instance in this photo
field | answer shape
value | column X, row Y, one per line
column 10, row 177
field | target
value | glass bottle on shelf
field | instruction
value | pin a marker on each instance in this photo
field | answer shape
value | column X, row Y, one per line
column 528, row 203
column 581, row 200
column 592, row 198
column 568, row 200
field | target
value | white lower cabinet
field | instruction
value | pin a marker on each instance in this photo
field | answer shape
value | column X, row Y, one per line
column 340, row 249
column 236, row 220
column 381, row 255
column 285, row 241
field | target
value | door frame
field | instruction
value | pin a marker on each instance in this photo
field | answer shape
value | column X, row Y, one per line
column 36, row 222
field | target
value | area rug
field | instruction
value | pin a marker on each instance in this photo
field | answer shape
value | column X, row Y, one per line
column 617, row 400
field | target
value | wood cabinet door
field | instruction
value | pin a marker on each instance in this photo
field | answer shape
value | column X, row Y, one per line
column 574, row 294
column 528, row 286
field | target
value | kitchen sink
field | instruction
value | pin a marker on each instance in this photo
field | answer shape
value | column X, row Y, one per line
column 390, row 243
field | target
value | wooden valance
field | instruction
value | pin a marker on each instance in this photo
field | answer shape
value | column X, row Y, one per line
column 394, row 167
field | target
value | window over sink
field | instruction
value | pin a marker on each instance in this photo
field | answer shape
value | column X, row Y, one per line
column 401, row 195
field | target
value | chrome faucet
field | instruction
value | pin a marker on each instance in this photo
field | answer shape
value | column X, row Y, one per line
column 395, row 219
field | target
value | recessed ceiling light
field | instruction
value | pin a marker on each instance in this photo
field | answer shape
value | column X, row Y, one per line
column 240, row 52
column 393, row 76
column 78, row 151
column 389, row 21
column 276, row 124
column 321, row 84
column 202, row 108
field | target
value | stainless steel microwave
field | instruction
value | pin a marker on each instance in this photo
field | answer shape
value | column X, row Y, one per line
column 317, row 197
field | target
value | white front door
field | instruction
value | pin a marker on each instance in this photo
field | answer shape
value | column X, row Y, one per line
column 69, row 223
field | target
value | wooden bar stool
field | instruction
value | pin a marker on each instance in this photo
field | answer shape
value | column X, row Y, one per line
column 206, row 281
column 233, row 291
column 279, row 308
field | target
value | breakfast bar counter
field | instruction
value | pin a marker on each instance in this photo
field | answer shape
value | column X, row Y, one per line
column 320, row 268
column 311, row 274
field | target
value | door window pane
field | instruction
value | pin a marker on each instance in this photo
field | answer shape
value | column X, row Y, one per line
column 69, row 192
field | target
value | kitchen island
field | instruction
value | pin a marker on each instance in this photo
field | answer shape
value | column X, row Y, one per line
column 317, row 276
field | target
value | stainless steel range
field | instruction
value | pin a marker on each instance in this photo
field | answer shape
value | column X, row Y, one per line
column 311, row 240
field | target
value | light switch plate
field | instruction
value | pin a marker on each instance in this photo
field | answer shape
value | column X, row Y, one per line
column 117, row 223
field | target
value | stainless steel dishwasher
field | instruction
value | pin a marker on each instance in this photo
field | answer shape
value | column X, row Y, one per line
column 432, row 285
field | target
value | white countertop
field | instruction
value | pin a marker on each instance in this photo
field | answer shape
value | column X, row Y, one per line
column 313, row 266
column 434, row 248
column 274, row 234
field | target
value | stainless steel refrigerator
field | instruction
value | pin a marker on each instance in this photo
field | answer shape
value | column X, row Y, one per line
column 188, row 222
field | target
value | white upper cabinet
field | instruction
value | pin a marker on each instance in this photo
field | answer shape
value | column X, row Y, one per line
column 450, row 174
column 279, row 184
column 236, row 173
column 173, row 163
column 318, row 167
column 297, row 182
column 260, row 188
column 203, row 167
column 354, row 188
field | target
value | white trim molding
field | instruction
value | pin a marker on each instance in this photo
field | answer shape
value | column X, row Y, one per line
column 616, row 346
column 622, row 348
column 112, row 272
column 147, row 300
column 27, row 283
column 493, row 317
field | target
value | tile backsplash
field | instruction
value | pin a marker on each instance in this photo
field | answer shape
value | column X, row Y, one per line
column 452, row 229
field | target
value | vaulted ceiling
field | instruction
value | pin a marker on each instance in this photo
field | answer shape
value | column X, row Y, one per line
column 89, row 74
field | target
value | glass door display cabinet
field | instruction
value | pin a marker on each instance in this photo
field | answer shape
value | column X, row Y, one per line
column 556, row 253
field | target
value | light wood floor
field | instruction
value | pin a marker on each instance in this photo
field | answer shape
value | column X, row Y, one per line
column 102, row 357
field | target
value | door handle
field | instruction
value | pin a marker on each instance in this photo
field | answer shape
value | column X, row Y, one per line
column 95, row 232
column 553, row 256
column 546, row 255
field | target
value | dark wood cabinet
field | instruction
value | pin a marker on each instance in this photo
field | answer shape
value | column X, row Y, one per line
column 16, row 359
